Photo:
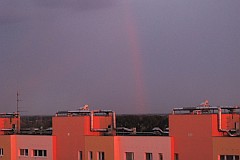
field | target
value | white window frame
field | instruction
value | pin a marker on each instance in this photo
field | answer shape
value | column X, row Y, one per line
column 90, row 155
column 38, row 151
column 24, row 151
column 1, row 151
column 131, row 154
column 225, row 157
column 150, row 156
column 101, row 156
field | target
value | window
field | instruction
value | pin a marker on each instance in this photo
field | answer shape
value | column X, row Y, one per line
column 228, row 157
column 1, row 151
column 129, row 156
column 160, row 156
column 23, row 152
column 14, row 126
column 90, row 155
column 221, row 157
column 101, row 156
column 80, row 155
column 39, row 153
column 176, row 156
column 149, row 156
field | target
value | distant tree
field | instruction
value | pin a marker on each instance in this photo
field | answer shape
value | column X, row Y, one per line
column 142, row 123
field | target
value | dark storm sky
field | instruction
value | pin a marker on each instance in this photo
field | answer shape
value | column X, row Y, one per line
column 130, row 56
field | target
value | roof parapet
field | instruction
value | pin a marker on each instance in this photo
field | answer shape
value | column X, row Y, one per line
column 9, row 115
column 200, row 109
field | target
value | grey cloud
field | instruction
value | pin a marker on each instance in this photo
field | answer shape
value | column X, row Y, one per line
column 5, row 20
column 18, row 11
column 68, row 53
column 15, row 11
column 76, row 4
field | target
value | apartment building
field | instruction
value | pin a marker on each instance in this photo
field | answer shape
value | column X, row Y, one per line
column 17, row 146
column 210, row 133
column 91, row 135
column 195, row 133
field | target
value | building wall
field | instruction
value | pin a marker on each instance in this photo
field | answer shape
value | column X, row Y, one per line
column 1, row 125
column 70, row 132
column 79, row 124
column 31, row 142
column 99, row 144
column 225, row 146
column 229, row 122
column 7, row 123
column 192, row 136
column 11, row 145
column 141, row 145
column 193, row 133
column 5, row 143
column 115, row 147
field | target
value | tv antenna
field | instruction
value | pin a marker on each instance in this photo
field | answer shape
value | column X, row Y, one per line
column 18, row 100
column 18, row 115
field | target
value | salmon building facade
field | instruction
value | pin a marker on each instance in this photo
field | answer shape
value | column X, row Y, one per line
column 195, row 133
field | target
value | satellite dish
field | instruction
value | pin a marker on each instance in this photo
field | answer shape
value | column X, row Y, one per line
column 205, row 104
column 85, row 107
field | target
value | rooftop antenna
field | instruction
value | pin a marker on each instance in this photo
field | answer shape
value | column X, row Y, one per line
column 18, row 100
column 18, row 123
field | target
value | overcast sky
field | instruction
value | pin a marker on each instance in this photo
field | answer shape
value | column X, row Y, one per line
column 130, row 56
